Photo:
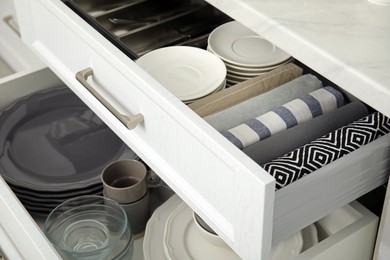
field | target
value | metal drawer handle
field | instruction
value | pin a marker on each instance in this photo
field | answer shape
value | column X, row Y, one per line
column 130, row 121
column 9, row 20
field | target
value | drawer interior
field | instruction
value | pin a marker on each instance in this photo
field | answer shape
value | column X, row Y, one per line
column 139, row 26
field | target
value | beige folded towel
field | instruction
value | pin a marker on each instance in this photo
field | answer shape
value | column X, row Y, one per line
column 245, row 90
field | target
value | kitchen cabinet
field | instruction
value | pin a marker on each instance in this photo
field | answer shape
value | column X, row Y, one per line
column 234, row 195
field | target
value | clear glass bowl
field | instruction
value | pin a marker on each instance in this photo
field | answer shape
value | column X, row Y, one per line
column 87, row 227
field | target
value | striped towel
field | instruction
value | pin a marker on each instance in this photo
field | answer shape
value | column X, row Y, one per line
column 297, row 136
column 290, row 114
column 326, row 149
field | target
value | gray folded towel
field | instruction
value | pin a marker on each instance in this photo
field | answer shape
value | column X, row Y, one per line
column 258, row 105
column 290, row 114
column 290, row 139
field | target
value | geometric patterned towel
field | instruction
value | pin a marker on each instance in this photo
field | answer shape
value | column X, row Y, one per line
column 326, row 149
column 290, row 114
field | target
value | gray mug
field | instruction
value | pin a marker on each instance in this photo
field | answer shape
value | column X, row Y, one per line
column 125, row 181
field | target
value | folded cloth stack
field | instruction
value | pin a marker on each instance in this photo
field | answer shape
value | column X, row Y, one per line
column 286, row 116
column 326, row 149
column 293, row 138
column 245, row 90
column 260, row 104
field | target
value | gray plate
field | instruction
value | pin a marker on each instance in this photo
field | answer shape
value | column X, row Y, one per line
column 52, row 142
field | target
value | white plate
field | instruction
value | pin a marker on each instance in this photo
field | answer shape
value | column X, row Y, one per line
column 236, row 44
column 223, row 86
column 188, row 72
column 232, row 81
column 232, row 67
column 177, row 218
column 237, row 78
column 153, row 239
column 183, row 239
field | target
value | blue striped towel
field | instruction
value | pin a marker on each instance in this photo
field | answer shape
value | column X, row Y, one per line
column 290, row 114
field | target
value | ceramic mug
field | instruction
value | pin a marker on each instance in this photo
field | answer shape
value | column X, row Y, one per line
column 138, row 213
column 125, row 181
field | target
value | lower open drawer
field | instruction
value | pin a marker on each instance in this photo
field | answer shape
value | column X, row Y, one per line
column 331, row 187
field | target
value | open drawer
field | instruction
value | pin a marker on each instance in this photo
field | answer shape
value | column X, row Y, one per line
column 20, row 236
column 233, row 194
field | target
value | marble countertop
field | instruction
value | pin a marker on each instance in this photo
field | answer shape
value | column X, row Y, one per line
column 348, row 42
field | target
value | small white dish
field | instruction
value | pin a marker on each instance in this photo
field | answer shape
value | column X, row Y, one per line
column 153, row 247
column 237, row 77
column 236, row 44
column 188, row 72
column 183, row 239
column 173, row 233
column 232, row 67
column 232, row 81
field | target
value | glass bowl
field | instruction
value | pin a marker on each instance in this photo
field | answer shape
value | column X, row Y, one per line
column 87, row 227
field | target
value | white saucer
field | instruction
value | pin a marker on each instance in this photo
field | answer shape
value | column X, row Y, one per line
column 153, row 239
column 172, row 233
column 188, row 72
column 183, row 239
column 232, row 67
column 236, row 44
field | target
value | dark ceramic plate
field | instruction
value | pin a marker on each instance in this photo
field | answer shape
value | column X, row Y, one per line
column 52, row 142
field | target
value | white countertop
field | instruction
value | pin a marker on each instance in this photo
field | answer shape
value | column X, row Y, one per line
column 348, row 42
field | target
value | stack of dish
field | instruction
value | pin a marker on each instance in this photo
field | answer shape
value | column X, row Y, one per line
column 53, row 148
column 245, row 53
column 190, row 73
column 174, row 232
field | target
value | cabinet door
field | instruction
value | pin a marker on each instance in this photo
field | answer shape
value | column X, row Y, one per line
column 227, row 189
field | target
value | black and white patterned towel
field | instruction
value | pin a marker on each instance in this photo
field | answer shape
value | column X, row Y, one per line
column 326, row 149
column 290, row 114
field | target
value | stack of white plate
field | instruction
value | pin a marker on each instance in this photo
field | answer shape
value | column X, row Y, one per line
column 173, row 233
column 190, row 73
column 245, row 53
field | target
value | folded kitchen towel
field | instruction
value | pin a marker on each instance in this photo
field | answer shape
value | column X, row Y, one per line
column 293, row 138
column 260, row 104
column 288, row 115
column 245, row 90
column 326, row 149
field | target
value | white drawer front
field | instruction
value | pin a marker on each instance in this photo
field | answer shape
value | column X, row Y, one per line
column 219, row 182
